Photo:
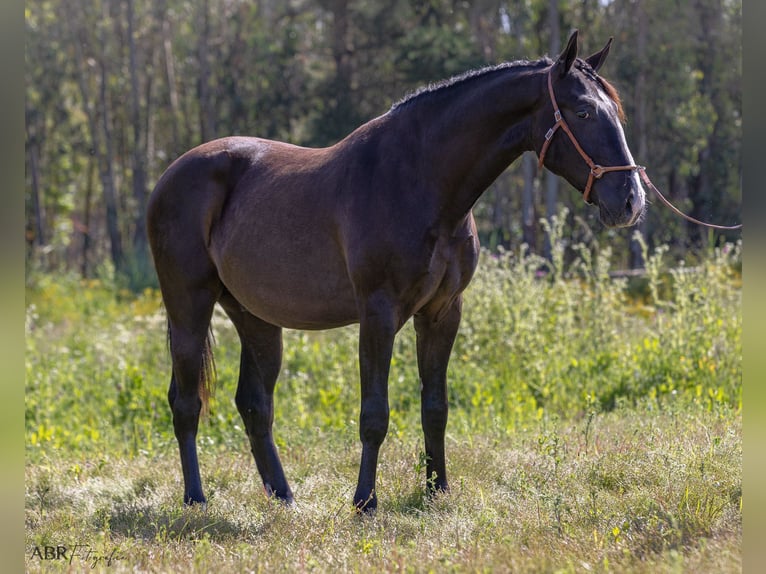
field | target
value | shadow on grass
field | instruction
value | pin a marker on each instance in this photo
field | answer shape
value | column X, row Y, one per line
column 171, row 523
column 416, row 501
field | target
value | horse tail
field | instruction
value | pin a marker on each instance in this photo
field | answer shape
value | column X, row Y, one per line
column 207, row 373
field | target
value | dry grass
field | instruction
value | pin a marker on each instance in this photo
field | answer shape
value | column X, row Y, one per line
column 637, row 492
column 590, row 430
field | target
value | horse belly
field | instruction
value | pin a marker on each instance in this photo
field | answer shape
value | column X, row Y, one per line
column 294, row 286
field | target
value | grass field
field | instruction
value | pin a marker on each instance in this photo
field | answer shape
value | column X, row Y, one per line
column 594, row 426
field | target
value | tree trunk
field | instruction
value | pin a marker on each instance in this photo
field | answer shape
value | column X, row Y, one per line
column 551, row 180
column 39, row 237
column 140, row 242
column 342, row 56
column 707, row 189
column 528, row 215
column 481, row 17
column 86, row 231
column 107, row 174
column 74, row 16
column 170, row 74
column 640, row 116
column 206, row 104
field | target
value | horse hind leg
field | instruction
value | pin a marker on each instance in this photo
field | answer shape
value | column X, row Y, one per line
column 260, row 362
column 185, row 201
column 188, row 327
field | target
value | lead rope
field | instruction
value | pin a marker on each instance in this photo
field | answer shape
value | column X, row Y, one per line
column 596, row 171
column 648, row 182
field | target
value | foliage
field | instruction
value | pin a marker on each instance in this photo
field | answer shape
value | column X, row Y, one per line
column 115, row 92
column 588, row 427
column 537, row 338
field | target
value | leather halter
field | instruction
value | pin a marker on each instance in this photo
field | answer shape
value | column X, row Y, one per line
column 596, row 171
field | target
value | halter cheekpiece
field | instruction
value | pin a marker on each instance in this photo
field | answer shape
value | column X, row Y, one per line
column 596, row 171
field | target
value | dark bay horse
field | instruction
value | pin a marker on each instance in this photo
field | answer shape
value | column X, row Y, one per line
column 375, row 229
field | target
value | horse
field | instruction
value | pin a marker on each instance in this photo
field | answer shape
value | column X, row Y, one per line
column 373, row 230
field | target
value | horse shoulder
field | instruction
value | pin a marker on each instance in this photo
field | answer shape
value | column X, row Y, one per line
column 457, row 255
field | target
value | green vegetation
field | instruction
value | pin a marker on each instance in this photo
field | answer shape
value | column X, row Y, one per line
column 594, row 426
column 595, row 422
column 114, row 93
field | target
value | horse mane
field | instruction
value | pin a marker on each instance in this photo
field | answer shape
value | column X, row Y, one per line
column 460, row 79
column 610, row 90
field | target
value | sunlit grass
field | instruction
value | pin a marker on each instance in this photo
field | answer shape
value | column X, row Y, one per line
column 643, row 491
column 591, row 429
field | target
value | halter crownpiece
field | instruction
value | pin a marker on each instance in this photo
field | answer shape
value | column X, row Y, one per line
column 596, row 171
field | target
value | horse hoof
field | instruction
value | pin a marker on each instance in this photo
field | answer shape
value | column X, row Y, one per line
column 193, row 504
column 366, row 510
column 366, row 506
column 285, row 498
column 437, row 490
column 195, row 501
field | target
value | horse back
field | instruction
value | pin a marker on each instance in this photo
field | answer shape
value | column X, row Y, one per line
column 296, row 234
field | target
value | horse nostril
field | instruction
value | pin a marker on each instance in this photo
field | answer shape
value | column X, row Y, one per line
column 629, row 203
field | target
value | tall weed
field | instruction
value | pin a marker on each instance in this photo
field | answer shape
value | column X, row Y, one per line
column 538, row 338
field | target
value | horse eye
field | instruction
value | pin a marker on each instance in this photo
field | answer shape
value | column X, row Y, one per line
column 583, row 114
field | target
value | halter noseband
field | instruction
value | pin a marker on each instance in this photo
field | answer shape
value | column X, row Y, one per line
column 596, row 171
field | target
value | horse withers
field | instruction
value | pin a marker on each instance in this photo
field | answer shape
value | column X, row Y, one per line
column 372, row 230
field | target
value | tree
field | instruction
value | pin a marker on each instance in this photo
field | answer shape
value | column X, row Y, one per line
column 139, row 145
column 82, row 34
column 718, row 59
column 118, row 90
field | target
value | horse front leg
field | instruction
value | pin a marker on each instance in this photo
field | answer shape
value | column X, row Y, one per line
column 378, row 326
column 435, row 338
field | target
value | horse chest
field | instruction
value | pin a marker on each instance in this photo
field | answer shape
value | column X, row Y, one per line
column 450, row 267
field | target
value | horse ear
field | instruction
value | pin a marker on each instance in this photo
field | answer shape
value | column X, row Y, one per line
column 597, row 60
column 568, row 56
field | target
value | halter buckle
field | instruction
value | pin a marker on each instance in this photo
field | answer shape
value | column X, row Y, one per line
column 557, row 115
column 597, row 171
column 549, row 134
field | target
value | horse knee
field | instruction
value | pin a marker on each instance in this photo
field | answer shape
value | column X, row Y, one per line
column 373, row 424
column 434, row 415
column 186, row 412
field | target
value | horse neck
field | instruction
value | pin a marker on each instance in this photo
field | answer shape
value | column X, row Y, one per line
column 469, row 133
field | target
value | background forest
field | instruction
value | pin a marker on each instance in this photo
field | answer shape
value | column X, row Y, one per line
column 118, row 89
column 595, row 421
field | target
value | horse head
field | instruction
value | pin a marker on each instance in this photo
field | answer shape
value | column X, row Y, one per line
column 594, row 158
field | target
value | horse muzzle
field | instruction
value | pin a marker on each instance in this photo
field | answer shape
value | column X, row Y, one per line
column 624, row 206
